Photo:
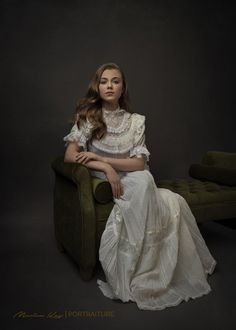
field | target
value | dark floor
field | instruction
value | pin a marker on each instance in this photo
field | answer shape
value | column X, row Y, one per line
column 38, row 280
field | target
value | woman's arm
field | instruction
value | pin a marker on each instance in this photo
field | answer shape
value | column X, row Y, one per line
column 71, row 155
column 71, row 152
column 123, row 164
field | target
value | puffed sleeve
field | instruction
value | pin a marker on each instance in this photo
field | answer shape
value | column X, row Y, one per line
column 139, row 146
column 80, row 135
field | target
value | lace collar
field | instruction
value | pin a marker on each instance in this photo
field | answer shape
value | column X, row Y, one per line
column 112, row 112
column 116, row 120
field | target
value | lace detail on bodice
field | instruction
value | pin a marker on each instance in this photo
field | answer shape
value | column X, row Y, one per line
column 116, row 120
column 125, row 135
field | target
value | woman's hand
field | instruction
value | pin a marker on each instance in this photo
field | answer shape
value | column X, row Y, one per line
column 85, row 156
column 114, row 179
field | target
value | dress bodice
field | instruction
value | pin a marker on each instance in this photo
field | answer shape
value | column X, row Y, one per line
column 125, row 137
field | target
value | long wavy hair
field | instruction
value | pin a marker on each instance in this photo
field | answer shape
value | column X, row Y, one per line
column 90, row 106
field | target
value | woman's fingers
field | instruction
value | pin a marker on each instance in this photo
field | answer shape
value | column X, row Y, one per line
column 80, row 155
column 82, row 159
column 120, row 189
column 117, row 190
column 114, row 179
column 113, row 190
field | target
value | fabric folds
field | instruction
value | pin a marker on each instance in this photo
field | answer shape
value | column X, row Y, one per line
column 152, row 252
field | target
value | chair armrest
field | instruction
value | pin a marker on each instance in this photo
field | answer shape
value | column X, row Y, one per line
column 76, row 172
column 102, row 191
column 79, row 173
column 216, row 174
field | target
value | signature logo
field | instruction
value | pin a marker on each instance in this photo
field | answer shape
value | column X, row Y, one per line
column 66, row 314
column 50, row 315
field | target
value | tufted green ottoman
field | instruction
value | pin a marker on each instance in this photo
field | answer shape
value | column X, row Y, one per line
column 211, row 191
column 207, row 200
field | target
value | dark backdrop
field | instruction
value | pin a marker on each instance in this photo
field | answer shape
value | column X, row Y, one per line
column 179, row 60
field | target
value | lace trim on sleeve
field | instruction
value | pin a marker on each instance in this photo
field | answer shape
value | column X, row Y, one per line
column 139, row 151
column 139, row 147
column 81, row 135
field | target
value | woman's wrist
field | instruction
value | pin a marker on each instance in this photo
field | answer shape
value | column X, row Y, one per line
column 106, row 167
column 103, row 159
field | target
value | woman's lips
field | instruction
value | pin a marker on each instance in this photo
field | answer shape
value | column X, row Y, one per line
column 109, row 93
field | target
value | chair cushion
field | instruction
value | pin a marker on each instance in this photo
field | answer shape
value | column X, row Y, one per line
column 102, row 191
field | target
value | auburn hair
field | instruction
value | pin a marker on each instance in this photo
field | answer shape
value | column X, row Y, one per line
column 90, row 106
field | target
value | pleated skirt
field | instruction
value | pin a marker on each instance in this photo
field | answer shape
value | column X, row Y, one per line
column 151, row 251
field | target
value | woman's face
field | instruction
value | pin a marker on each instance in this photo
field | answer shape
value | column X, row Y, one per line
column 110, row 86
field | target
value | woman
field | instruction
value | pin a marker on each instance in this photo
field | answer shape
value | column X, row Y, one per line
column 151, row 250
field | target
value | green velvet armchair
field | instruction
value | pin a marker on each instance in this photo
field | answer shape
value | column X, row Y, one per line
column 82, row 203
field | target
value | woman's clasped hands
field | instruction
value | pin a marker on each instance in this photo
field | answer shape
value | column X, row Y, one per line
column 85, row 156
column 114, row 179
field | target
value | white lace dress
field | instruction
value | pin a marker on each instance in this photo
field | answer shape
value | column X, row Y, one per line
column 151, row 250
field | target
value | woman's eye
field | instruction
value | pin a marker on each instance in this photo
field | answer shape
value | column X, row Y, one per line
column 116, row 82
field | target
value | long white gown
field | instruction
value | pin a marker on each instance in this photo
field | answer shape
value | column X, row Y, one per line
column 151, row 250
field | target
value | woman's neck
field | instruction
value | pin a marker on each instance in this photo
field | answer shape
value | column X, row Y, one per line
column 110, row 106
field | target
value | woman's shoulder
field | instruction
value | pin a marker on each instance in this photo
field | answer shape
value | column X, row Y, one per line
column 138, row 119
column 83, row 127
column 138, row 116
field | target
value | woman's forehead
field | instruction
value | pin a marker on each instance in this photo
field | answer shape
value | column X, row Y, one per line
column 111, row 73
